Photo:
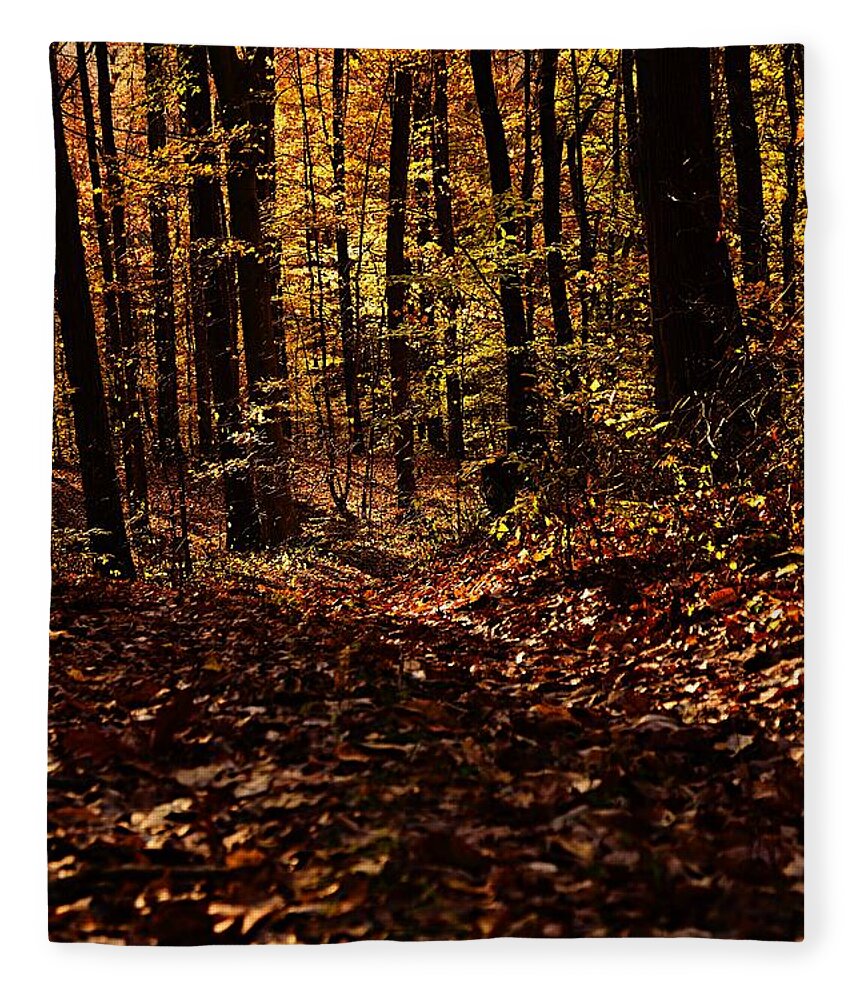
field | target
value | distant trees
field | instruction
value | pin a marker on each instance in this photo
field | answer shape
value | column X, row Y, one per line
column 348, row 329
column 747, row 157
column 285, row 293
column 445, row 229
column 523, row 419
column 106, row 532
column 164, row 314
column 130, row 408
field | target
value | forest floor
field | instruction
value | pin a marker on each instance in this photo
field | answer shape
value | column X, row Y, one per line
column 473, row 744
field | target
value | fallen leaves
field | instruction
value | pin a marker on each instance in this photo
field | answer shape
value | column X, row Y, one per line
column 472, row 750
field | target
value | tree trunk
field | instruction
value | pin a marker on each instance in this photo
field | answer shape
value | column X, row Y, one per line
column 212, row 284
column 199, row 348
column 792, row 61
column 551, row 147
column 523, row 432
column 103, row 237
column 234, row 81
column 134, row 457
column 527, row 191
column 745, row 147
column 445, row 226
column 348, row 332
column 108, row 540
column 631, row 124
column 694, row 309
column 551, row 157
column 164, row 318
column 395, row 289
column 576, row 168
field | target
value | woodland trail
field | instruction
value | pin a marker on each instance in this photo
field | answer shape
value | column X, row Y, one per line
column 444, row 754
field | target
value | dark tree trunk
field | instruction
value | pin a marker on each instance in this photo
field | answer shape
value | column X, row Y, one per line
column 106, row 529
column 445, row 227
column 747, row 156
column 111, row 304
column 551, row 148
column 694, row 309
column 234, row 81
column 792, row 63
column 631, row 125
column 395, row 290
column 164, row 318
column 212, row 285
column 262, row 111
column 348, row 331
column 134, row 456
column 523, row 435
column 576, row 168
column 551, row 157
column 527, row 190
column 202, row 375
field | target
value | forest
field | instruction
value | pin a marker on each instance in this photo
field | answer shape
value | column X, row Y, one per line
column 427, row 498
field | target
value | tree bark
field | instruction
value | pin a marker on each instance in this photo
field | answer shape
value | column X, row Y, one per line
column 108, row 540
column 164, row 317
column 395, row 289
column 134, row 456
column 694, row 310
column 445, row 227
column 747, row 157
column 212, row 285
column 234, row 81
column 523, row 432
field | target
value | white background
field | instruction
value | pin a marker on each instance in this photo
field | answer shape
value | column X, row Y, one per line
column 31, row 967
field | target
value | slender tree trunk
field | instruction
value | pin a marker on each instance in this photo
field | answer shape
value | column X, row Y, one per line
column 212, row 283
column 106, row 529
column 551, row 148
column 523, row 434
column 527, row 189
column 694, row 309
column 234, row 81
column 747, row 157
column 348, row 330
column 631, row 125
column 103, row 236
column 395, row 289
column 164, row 319
column 792, row 63
column 191, row 104
column 134, row 457
column 551, row 157
column 576, row 168
column 445, row 226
